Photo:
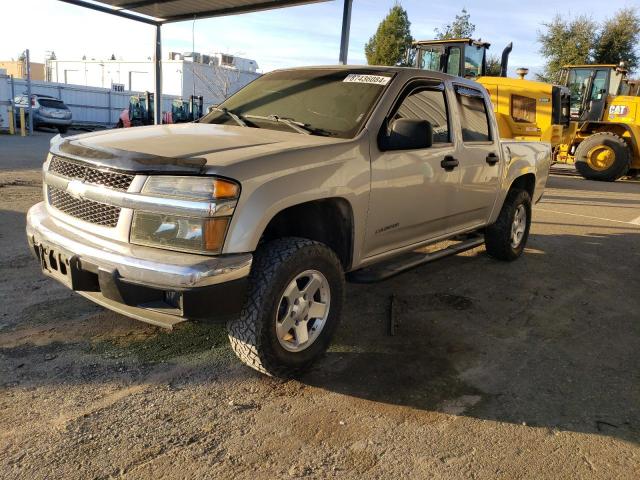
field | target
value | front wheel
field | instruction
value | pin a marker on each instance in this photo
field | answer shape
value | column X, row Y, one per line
column 506, row 239
column 603, row 156
column 295, row 299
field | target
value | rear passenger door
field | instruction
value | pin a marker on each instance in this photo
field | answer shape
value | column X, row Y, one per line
column 479, row 158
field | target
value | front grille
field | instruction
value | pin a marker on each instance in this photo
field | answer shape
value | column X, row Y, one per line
column 87, row 174
column 87, row 210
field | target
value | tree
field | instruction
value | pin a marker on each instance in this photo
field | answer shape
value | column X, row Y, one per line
column 494, row 66
column 566, row 42
column 617, row 39
column 461, row 27
column 392, row 39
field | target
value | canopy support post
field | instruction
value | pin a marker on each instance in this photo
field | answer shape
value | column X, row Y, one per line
column 346, row 27
column 157, row 98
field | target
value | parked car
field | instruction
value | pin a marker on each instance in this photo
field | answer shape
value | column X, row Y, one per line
column 47, row 111
column 255, row 213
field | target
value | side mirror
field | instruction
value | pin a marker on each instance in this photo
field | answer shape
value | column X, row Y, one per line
column 406, row 134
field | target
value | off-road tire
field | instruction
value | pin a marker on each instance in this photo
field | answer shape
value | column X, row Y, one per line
column 620, row 165
column 497, row 237
column 253, row 336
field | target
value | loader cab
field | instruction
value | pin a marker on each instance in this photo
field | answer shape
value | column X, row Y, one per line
column 462, row 57
column 591, row 86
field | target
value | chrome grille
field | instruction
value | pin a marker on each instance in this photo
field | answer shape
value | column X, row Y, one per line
column 87, row 174
column 87, row 210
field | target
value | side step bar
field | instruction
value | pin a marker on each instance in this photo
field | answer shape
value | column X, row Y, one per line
column 392, row 267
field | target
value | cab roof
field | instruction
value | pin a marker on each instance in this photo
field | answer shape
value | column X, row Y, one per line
column 406, row 72
column 468, row 41
column 596, row 65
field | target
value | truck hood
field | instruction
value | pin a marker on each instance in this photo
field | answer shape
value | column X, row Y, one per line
column 188, row 148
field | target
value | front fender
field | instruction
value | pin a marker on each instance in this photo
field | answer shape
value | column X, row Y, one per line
column 286, row 180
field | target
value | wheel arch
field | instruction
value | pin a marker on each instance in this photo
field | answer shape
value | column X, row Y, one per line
column 629, row 133
column 525, row 182
column 328, row 220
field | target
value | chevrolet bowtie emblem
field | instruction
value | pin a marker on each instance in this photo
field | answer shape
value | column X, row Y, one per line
column 76, row 189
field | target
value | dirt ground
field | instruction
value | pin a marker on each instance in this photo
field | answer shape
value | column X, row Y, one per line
column 522, row 370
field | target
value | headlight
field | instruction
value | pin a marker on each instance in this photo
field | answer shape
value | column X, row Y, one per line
column 189, row 234
column 192, row 188
column 184, row 233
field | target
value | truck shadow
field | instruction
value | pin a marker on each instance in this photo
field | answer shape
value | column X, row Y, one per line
column 548, row 341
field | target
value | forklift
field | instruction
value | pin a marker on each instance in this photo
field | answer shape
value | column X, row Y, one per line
column 187, row 111
column 139, row 112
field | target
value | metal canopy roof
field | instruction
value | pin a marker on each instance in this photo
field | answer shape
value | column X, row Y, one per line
column 165, row 11
column 159, row 12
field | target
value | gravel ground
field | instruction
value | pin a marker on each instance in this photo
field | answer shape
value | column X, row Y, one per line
column 522, row 370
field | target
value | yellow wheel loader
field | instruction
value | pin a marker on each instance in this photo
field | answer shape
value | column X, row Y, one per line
column 604, row 134
column 525, row 109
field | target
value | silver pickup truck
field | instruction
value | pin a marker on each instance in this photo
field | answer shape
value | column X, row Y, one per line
column 257, row 213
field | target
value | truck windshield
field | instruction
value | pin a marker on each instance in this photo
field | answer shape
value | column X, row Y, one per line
column 326, row 102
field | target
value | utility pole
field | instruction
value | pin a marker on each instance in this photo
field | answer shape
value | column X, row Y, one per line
column 29, row 92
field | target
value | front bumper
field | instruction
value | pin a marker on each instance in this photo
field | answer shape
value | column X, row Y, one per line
column 149, row 284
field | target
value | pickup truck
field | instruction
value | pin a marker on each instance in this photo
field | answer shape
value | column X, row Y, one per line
column 259, row 212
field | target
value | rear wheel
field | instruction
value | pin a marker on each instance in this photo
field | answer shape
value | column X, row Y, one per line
column 603, row 156
column 506, row 239
column 295, row 298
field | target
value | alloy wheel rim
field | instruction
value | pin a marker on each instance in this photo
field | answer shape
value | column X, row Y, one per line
column 519, row 226
column 303, row 310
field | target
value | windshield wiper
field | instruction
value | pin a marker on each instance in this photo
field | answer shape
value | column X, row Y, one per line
column 236, row 118
column 297, row 126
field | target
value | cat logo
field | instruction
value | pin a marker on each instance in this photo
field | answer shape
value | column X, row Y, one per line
column 618, row 111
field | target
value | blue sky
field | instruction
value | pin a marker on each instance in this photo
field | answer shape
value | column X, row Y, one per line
column 303, row 35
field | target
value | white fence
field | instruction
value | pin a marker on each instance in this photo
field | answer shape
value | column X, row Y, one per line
column 88, row 105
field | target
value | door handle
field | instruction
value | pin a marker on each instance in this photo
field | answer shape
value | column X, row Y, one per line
column 492, row 158
column 449, row 163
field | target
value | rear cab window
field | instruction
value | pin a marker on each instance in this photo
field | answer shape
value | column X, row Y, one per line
column 52, row 103
column 474, row 116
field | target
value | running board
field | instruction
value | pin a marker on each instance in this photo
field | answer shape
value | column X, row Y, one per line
column 392, row 267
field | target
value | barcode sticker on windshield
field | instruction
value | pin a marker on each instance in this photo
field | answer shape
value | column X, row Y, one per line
column 372, row 79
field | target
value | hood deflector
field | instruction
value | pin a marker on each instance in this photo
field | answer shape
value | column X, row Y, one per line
column 123, row 160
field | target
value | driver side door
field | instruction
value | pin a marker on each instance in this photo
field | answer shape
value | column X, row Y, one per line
column 411, row 191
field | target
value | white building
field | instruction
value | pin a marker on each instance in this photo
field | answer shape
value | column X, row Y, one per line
column 215, row 77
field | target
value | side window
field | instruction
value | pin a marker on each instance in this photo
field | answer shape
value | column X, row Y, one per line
column 427, row 104
column 453, row 63
column 473, row 115
column 523, row 109
column 599, row 85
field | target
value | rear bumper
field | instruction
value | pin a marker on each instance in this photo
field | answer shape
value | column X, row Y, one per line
column 149, row 284
column 51, row 121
